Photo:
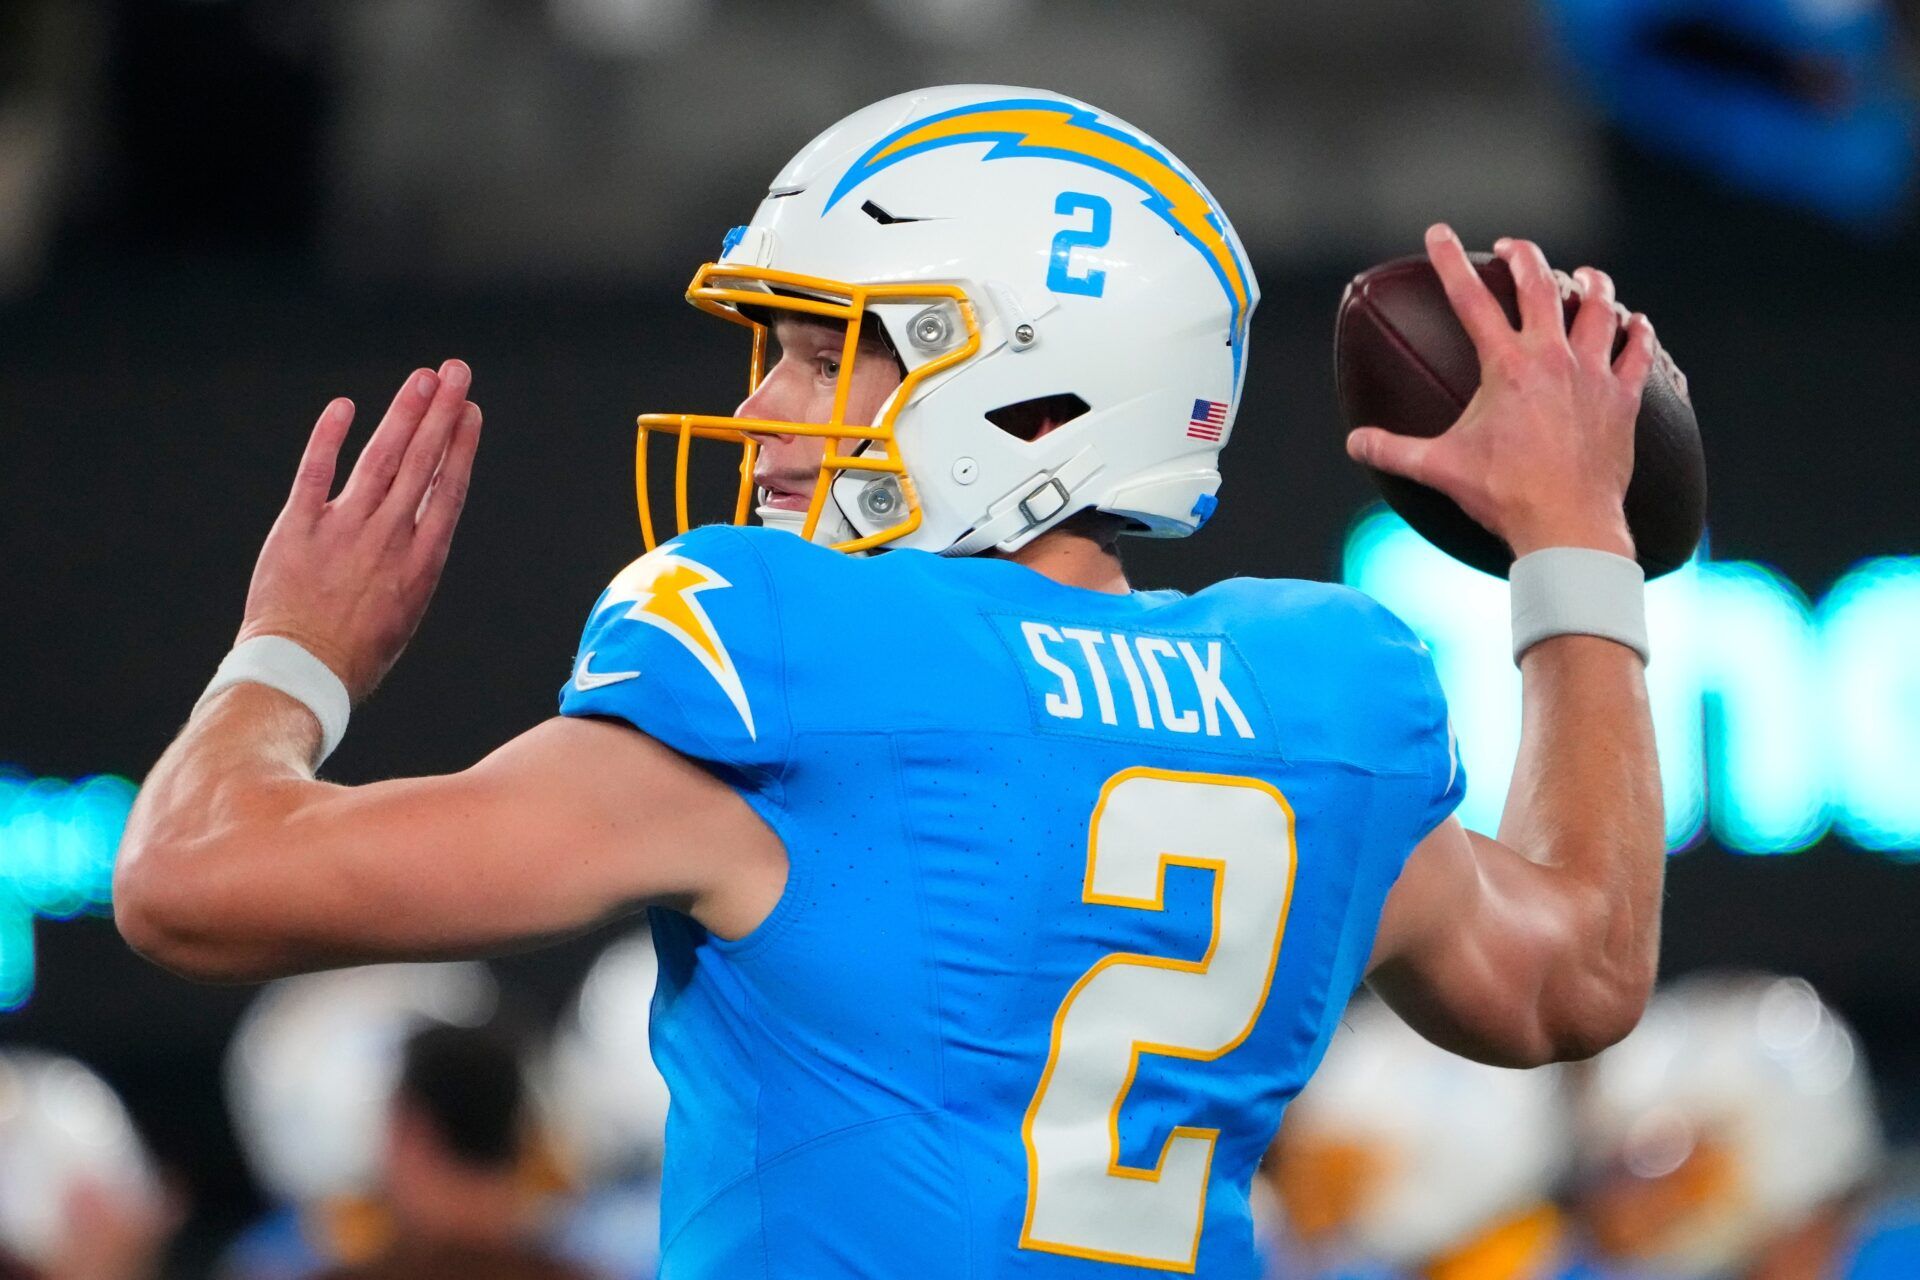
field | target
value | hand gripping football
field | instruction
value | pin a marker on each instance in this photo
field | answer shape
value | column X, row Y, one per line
column 1404, row 363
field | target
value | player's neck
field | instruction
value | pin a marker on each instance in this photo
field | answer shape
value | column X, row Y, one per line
column 1074, row 561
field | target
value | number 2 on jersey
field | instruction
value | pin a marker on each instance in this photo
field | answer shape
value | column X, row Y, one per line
column 1081, row 1201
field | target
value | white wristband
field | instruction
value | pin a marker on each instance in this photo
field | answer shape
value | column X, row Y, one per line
column 280, row 663
column 1578, row 591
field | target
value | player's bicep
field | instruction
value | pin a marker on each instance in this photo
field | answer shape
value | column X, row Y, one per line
column 1465, row 943
column 616, row 816
column 573, row 822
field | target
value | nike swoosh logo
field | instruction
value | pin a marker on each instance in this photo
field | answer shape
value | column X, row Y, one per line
column 584, row 678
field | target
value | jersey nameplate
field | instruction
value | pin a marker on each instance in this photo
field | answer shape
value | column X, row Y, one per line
column 1088, row 679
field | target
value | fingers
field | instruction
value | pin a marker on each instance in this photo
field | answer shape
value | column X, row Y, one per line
column 424, row 451
column 380, row 460
column 1385, row 451
column 440, row 509
column 1636, row 359
column 313, row 480
column 1597, row 321
column 1484, row 321
column 1533, row 284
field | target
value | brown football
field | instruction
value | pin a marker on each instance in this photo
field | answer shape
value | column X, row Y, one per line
column 1403, row 362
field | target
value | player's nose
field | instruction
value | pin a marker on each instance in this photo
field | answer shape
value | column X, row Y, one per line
column 767, row 403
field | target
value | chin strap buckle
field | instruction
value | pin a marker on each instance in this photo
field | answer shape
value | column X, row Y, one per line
column 1038, row 501
column 1044, row 503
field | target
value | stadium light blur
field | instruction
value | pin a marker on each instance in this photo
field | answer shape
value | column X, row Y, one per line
column 1776, row 721
column 57, row 845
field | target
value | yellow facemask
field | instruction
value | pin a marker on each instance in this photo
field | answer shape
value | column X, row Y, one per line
column 741, row 294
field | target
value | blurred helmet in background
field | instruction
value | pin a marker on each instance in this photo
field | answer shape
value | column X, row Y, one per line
column 1400, row 1151
column 311, row 1069
column 61, row 1128
column 1017, row 248
column 604, row 1100
column 1739, row 1107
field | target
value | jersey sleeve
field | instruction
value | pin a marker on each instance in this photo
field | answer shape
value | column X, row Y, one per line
column 1420, row 722
column 684, row 645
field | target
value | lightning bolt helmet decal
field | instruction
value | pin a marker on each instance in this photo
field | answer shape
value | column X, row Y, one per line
column 1063, row 131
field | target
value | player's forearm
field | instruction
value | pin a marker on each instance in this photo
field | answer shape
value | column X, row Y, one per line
column 1585, row 804
column 206, row 813
column 239, row 866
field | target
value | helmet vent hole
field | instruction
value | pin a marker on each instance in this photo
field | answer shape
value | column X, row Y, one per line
column 1031, row 419
column 882, row 217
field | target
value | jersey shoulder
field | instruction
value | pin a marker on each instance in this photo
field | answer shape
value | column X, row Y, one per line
column 1360, row 685
column 1304, row 611
column 685, row 644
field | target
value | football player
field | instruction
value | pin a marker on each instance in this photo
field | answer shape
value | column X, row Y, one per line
column 1000, row 907
column 80, row 1195
column 1400, row 1155
column 607, row 1108
column 1733, row 1136
column 310, row 1073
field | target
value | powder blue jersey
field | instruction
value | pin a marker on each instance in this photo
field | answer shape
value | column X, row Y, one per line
column 1079, row 885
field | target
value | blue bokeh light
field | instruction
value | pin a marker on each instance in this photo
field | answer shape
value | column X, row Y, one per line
column 57, row 846
column 1775, row 720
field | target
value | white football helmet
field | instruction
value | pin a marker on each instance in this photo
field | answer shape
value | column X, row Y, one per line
column 312, row 1067
column 601, row 1093
column 1411, row 1152
column 60, row 1126
column 1747, row 1095
column 1013, row 245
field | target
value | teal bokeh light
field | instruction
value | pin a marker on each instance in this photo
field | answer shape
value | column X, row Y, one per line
column 1776, row 720
column 57, row 845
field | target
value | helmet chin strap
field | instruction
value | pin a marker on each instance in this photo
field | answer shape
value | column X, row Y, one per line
column 1039, row 501
column 833, row 526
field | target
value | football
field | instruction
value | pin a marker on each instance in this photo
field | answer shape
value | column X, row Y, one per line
column 1403, row 362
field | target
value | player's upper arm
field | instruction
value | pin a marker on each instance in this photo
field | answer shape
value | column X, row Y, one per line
column 659, row 782
column 1475, row 943
column 572, row 822
column 1478, row 950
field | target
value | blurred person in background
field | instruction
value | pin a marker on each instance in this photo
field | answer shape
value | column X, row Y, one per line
column 606, row 1106
column 309, row 1073
column 1400, row 1161
column 80, row 1198
column 1733, row 1136
column 455, row 1167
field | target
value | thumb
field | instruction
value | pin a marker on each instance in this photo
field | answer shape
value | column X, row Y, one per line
column 1387, row 451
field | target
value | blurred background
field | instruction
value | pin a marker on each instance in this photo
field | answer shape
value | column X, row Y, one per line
column 217, row 214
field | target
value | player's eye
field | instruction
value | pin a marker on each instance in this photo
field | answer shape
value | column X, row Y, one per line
column 829, row 366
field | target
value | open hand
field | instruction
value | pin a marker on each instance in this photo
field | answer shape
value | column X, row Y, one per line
column 350, row 578
column 1542, row 454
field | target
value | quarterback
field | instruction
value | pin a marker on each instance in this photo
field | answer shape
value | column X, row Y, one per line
column 1000, row 908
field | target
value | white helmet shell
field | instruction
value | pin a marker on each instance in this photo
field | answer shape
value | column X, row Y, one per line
column 1098, row 267
column 1462, row 1146
column 60, row 1126
column 1754, row 1062
column 602, row 1094
column 312, row 1067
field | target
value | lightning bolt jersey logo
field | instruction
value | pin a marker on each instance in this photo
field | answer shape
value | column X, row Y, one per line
column 662, row 589
column 1061, row 131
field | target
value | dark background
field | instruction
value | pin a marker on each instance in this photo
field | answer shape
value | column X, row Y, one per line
column 221, row 242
